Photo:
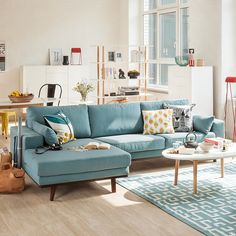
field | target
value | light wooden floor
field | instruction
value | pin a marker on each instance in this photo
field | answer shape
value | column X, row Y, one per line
column 88, row 209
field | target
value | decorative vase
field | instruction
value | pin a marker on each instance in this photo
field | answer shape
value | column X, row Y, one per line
column 83, row 97
column 65, row 60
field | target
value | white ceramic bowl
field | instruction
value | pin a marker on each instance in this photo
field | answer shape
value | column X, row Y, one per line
column 206, row 147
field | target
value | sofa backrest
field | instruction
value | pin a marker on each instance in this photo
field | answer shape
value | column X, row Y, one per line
column 156, row 105
column 78, row 116
column 115, row 119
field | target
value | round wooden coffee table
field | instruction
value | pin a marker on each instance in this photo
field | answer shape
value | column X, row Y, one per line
column 200, row 156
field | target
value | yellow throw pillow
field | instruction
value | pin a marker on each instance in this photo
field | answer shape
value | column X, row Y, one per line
column 158, row 122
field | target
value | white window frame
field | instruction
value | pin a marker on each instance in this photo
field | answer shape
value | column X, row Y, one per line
column 162, row 9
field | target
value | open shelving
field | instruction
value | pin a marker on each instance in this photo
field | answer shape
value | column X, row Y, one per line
column 103, row 79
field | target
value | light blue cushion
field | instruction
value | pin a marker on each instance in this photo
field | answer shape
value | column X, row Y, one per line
column 69, row 161
column 49, row 135
column 78, row 116
column 180, row 136
column 157, row 105
column 218, row 128
column 115, row 119
column 135, row 142
column 203, row 124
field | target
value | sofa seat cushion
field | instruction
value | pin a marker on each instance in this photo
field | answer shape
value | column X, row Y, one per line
column 171, row 138
column 135, row 142
column 70, row 161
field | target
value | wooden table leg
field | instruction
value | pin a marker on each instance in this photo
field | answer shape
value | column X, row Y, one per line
column 222, row 167
column 176, row 171
column 195, row 163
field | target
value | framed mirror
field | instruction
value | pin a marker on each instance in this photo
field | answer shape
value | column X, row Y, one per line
column 2, row 56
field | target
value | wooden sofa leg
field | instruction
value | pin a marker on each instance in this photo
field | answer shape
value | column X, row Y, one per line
column 52, row 192
column 113, row 185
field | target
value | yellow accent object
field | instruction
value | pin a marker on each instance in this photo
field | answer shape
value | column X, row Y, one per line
column 5, row 120
column 158, row 122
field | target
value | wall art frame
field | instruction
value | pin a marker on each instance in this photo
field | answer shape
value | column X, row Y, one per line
column 2, row 56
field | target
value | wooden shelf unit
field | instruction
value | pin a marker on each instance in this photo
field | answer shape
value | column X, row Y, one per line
column 101, row 78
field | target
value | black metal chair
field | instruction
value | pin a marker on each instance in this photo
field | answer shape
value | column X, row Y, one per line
column 51, row 89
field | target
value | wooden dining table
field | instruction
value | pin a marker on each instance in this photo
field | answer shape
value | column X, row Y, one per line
column 6, row 104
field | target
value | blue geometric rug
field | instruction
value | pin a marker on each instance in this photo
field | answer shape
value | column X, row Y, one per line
column 212, row 211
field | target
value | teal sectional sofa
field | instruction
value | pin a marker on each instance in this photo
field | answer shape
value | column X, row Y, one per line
column 120, row 125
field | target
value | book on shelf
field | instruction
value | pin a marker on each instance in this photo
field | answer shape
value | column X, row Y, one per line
column 97, row 146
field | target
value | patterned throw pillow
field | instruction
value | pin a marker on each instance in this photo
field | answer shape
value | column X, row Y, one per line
column 182, row 117
column 158, row 122
column 62, row 126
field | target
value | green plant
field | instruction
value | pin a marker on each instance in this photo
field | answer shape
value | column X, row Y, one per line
column 84, row 89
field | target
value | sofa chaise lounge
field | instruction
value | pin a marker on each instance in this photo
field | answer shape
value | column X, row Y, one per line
column 120, row 125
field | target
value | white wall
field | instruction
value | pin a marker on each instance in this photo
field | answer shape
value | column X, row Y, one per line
column 228, row 40
column 228, row 60
column 31, row 27
column 205, row 38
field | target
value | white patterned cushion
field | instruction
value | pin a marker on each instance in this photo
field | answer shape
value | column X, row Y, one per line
column 62, row 126
column 182, row 117
column 158, row 122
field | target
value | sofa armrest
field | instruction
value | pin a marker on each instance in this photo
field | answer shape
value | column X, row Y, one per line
column 218, row 128
column 30, row 139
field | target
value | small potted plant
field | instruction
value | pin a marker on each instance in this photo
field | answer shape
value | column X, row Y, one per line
column 84, row 89
column 133, row 74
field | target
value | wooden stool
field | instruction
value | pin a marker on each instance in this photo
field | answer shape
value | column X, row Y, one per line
column 5, row 120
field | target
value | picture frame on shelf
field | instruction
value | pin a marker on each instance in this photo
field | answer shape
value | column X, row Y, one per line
column 2, row 56
column 111, row 56
column 55, row 56
column 118, row 56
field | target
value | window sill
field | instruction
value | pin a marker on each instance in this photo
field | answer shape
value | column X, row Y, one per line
column 158, row 90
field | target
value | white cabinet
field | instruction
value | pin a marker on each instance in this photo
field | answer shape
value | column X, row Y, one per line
column 195, row 84
column 33, row 77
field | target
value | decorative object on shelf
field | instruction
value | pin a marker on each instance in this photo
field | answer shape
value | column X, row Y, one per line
column 191, row 60
column 76, row 56
column 55, row 56
column 191, row 140
column 133, row 74
column 128, row 91
column 114, row 73
column 200, row 62
column 138, row 55
column 118, row 56
column 134, row 55
column 2, row 56
column 111, row 56
column 182, row 60
column 84, row 89
column 121, row 74
column 18, row 97
column 112, row 94
column 65, row 60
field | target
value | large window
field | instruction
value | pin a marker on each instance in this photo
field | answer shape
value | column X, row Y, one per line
column 165, row 32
